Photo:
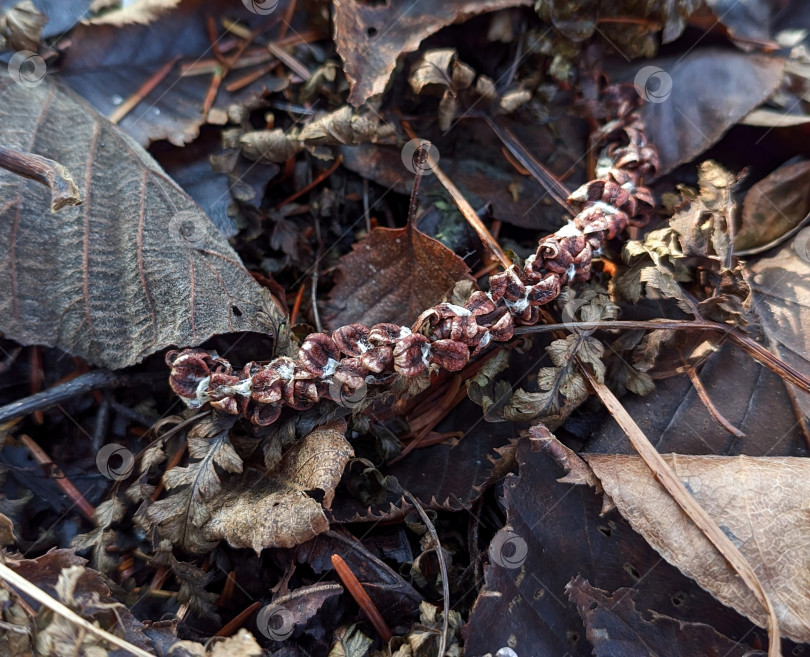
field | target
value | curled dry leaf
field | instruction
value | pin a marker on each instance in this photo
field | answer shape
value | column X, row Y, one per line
column 578, row 20
column 136, row 268
column 371, row 36
column 760, row 503
column 392, row 276
column 276, row 511
column 347, row 127
column 273, row 145
column 85, row 591
column 21, row 27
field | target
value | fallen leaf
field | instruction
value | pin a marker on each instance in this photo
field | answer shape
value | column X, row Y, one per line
column 136, row 268
column 749, row 20
column 773, row 206
column 781, row 300
column 395, row 598
column 711, row 90
column 554, row 532
column 748, row 395
column 344, row 127
column 759, row 502
column 578, row 20
column 450, row 476
column 615, row 627
column 62, row 574
column 21, row 26
column 392, row 276
column 370, row 36
column 262, row 511
column 112, row 57
column 299, row 607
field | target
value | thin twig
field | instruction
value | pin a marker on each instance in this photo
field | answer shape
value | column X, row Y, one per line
column 95, row 380
column 664, row 474
column 442, row 568
column 422, row 155
column 707, row 402
column 317, row 181
column 59, row 477
column 57, row 607
column 53, row 175
column 237, row 621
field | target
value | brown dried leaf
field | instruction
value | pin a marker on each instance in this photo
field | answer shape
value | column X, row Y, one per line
column 615, row 627
column 781, row 300
column 346, row 127
column 774, row 206
column 712, row 89
column 389, row 591
column 371, row 36
column 136, row 268
column 272, row 145
column 84, row 590
column 392, row 276
column 748, row 395
column 554, row 532
column 275, row 511
column 111, row 57
column 760, row 503
column 441, row 66
column 21, row 27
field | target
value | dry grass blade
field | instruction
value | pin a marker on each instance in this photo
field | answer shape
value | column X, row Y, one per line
column 22, row 584
column 669, row 480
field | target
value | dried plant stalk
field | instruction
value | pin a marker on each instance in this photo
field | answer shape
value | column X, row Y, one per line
column 340, row 366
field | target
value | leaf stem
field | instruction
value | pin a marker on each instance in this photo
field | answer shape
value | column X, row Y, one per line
column 751, row 347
